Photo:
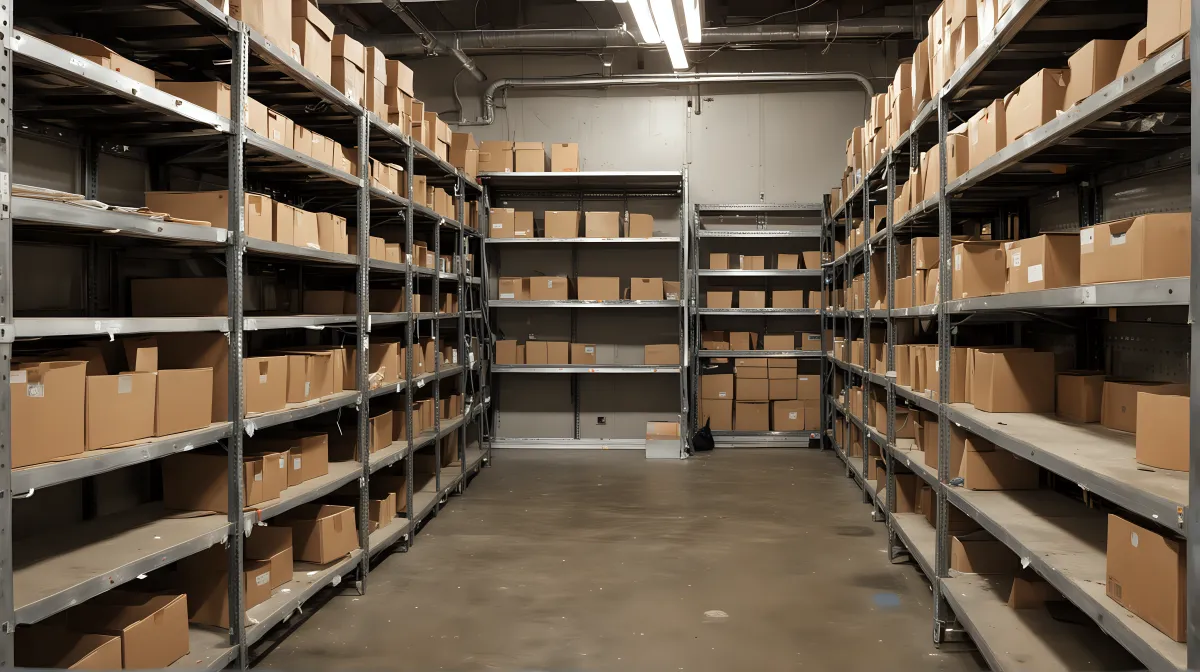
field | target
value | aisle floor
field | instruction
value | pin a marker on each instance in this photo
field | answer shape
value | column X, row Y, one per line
column 598, row 560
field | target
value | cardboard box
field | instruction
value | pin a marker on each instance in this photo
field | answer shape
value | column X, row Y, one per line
column 265, row 384
column 183, row 400
column 598, row 289
column 1133, row 55
column 1030, row 591
column 536, row 352
column 215, row 97
column 349, row 68
column 663, row 355
column 328, row 302
column 523, row 225
column 640, row 226
column 517, row 289
column 1092, row 68
column 1079, row 395
column 787, row 262
column 1035, row 102
column 717, row 386
column 986, row 135
column 646, row 289
column 1119, row 401
column 562, row 224
column 752, row 417
column 782, row 388
column 982, row 556
column 309, row 376
column 331, row 233
column 529, row 157
column 120, row 408
column 208, row 208
column 602, row 225
column 102, row 56
column 1048, row 261
column 313, row 32
column 753, row 389
column 1166, row 22
column 461, row 144
column 717, row 414
column 564, row 157
column 306, row 232
column 1147, row 574
column 48, row 410
column 787, row 416
column 558, row 352
column 810, row 342
column 743, row 340
column 503, row 221
column 751, row 299
column 321, row 533
column 548, row 288
column 509, row 352
column 979, row 269
column 1138, row 248
column 925, row 252
column 787, row 298
column 992, row 469
column 399, row 77
column 205, row 578
column 272, row 545
column 750, row 262
column 583, row 353
column 44, row 646
column 153, row 629
column 1163, row 431
column 1012, row 381
column 308, row 454
column 718, row 261
column 780, row 342
column 496, row 156
column 719, row 299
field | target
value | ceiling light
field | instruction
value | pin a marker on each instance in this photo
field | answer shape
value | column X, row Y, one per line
column 691, row 16
column 668, row 28
column 645, row 22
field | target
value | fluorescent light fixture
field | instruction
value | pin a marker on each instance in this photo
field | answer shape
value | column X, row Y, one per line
column 691, row 16
column 645, row 21
column 668, row 28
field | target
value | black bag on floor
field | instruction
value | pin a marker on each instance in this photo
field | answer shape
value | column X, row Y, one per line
column 702, row 440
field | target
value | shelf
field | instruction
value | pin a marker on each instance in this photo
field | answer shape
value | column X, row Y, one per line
column 297, row 321
column 295, row 412
column 777, row 209
column 270, row 248
column 616, row 181
column 40, row 327
column 387, row 536
column 273, row 161
column 1026, row 639
column 340, row 473
column 759, row 311
column 922, row 401
column 1064, row 542
column 918, row 311
column 905, row 452
column 1100, row 460
column 1166, row 292
column 386, row 457
column 771, row 273
column 423, row 502
column 94, row 462
column 657, row 240
column 208, row 649
column 764, row 439
column 511, row 303
column 64, row 567
column 801, row 231
column 788, row 354
column 919, row 538
column 583, row 368
column 38, row 212
column 307, row 579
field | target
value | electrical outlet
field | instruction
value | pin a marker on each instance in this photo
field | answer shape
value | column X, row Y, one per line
column 601, row 420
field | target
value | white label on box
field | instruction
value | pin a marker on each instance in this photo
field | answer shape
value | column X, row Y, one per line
column 307, row 387
column 262, row 379
column 1133, row 539
column 454, row 356
column 1087, row 237
column 263, row 579
column 519, row 234
column 721, row 394
column 937, row 365
column 124, row 384
column 498, row 225
column 1035, row 273
column 804, row 378
column 17, row 377
column 549, row 284
column 957, row 261
column 589, row 349
column 35, row 390
column 258, row 476
column 791, row 415
column 1016, row 258
column 296, row 463
column 1115, row 239
column 283, row 463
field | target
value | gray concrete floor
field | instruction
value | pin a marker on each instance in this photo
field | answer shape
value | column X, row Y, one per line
column 599, row 560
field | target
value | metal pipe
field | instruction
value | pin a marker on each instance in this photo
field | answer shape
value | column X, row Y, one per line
column 428, row 42
column 500, row 85
column 610, row 38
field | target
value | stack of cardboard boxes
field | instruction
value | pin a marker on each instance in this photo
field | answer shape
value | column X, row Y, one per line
column 763, row 393
column 506, row 156
column 558, row 288
column 512, row 223
column 559, row 353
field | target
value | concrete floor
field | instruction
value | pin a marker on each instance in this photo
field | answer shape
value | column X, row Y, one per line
column 599, row 560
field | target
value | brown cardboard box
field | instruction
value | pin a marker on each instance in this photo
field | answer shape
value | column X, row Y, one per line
column 782, row 389
column 1092, row 68
column 719, row 299
column 306, row 232
column 153, row 629
column 44, row 646
column 743, row 340
column 752, row 417
column 548, row 288
column 598, row 289
column 280, row 129
column 664, row 355
column 523, row 224
column 331, row 233
column 215, row 97
column 309, row 376
column 1147, row 574
column 212, row 207
column 1030, row 591
column 780, row 341
column 507, row 352
column 205, row 579
column 529, row 157
column 183, row 400
column 786, row 298
column 1133, row 55
column 461, row 144
column 781, row 368
column 348, row 68
column 808, row 387
column 787, row 262
column 810, row 342
column 515, row 289
column 787, row 416
column 265, row 384
column 536, row 352
column 1013, row 381
column 496, row 156
column 327, row 301
column 959, row 358
column 283, row 223
column 1119, row 401
column 717, row 413
column 564, row 157
column 503, row 222
column 982, row 556
column 979, row 269
column 47, row 410
column 321, row 533
column 646, row 289
column 1139, row 248
column 753, row 389
column 120, row 408
column 986, row 135
column 640, row 226
column 400, row 78
column 562, row 224
column 714, row 340
column 602, row 225
column 751, row 299
column 272, row 545
column 1163, row 434
column 718, row 261
column 1047, row 261
column 1078, row 396
column 558, row 353
column 308, row 453
column 583, row 353
column 375, row 84
column 1035, row 102
column 313, row 32
column 748, row 262
column 925, row 251
column 199, row 481
column 103, row 56
column 991, row 469
column 1166, row 22
column 717, row 386
column 671, row 290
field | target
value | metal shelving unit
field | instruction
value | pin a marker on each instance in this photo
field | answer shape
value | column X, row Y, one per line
column 1106, row 140
column 47, row 574
column 580, row 187
column 716, row 226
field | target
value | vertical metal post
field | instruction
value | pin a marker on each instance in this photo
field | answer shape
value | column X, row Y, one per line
column 485, row 365
column 866, row 328
column 7, row 608
column 363, row 200
column 826, row 385
column 235, row 267
column 409, row 278
column 460, row 259
column 1193, row 511
column 890, row 350
column 685, row 345
column 692, row 302
column 437, row 358
column 941, row 610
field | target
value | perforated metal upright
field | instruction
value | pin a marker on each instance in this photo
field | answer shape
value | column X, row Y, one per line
column 890, row 351
column 942, row 615
column 362, row 360
column 1193, row 511
column 865, row 255
column 409, row 326
column 7, row 609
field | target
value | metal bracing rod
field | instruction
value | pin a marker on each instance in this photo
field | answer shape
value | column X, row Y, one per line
column 408, row 331
column 1193, row 512
column 941, row 610
column 235, row 268
column 361, row 362
column 7, row 612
